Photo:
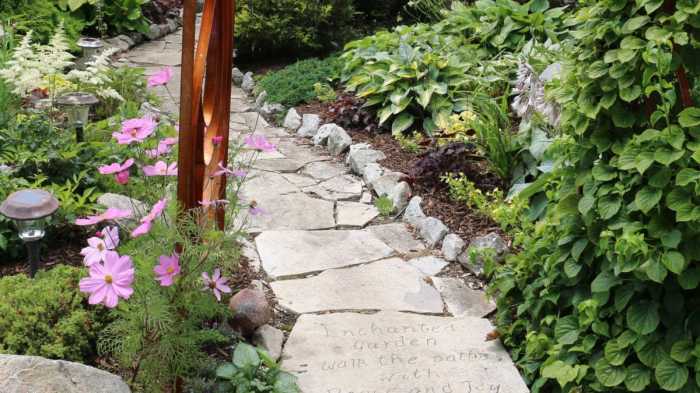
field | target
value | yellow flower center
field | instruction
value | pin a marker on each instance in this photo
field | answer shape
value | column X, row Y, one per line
column 170, row 270
column 108, row 279
column 101, row 247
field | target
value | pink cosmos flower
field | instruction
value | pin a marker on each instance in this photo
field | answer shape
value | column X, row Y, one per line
column 109, row 214
column 256, row 211
column 122, row 177
column 147, row 221
column 228, row 172
column 215, row 203
column 135, row 130
column 216, row 283
column 116, row 167
column 161, row 77
column 110, row 236
column 109, row 282
column 168, row 268
column 163, row 147
column 96, row 251
column 169, row 141
column 161, row 168
column 259, row 143
column 216, row 141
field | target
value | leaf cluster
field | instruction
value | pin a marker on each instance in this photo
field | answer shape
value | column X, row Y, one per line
column 604, row 295
column 252, row 370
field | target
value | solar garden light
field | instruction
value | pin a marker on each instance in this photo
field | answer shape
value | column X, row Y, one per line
column 77, row 107
column 90, row 47
column 30, row 210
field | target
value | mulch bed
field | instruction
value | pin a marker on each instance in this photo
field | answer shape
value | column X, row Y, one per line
column 465, row 222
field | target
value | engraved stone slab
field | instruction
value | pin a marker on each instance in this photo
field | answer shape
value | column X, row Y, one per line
column 293, row 253
column 390, row 284
column 391, row 352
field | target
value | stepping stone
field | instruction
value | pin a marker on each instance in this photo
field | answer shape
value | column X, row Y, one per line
column 341, row 187
column 289, row 212
column 429, row 265
column 299, row 180
column 283, row 165
column 462, row 300
column 355, row 214
column 398, row 237
column 323, row 170
column 247, row 156
column 300, row 152
column 390, row 284
column 261, row 184
column 154, row 55
column 391, row 352
column 294, row 253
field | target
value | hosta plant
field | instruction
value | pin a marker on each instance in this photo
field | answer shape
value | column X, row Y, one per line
column 604, row 294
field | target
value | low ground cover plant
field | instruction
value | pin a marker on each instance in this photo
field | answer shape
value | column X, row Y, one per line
column 296, row 83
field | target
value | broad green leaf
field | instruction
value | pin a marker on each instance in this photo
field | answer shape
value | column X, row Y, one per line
column 687, row 176
column 682, row 351
column 245, row 356
column 615, row 352
column 670, row 375
column 384, row 114
column 648, row 198
column 560, row 371
column 690, row 279
column 608, row 206
column 633, row 24
column 632, row 42
column 402, row 123
column 578, row 248
column 226, row 371
column 566, row 331
column 604, row 281
column 657, row 34
column 643, row 316
column 638, row 378
column 585, row 204
column 690, row 117
column 609, row 375
column 674, row 261
column 631, row 93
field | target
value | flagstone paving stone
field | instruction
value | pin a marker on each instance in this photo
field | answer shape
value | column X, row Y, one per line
column 391, row 352
column 462, row 300
column 294, row 253
column 398, row 237
column 389, row 284
column 323, row 170
column 355, row 214
column 290, row 212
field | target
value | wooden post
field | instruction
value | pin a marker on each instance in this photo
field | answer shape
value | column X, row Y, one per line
column 205, row 103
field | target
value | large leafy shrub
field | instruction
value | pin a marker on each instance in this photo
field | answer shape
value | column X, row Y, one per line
column 265, row 27
column 604, row 294
column 294, row 84
column 47, row 316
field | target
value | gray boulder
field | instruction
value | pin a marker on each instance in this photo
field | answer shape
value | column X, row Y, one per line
column 432, row 230
column 452, row 246
column 237, row 76
column 491, row 245
column 33, row 374
column 250, row 311
column 360, row 157
column 413, row 213
column 248, row 83
column 321, row 137
column 399, row 196
column 153, row 32
column 338, row 141
column 384, row 184
column 309, row 125
column 260, row 101
column 271, row 109
column 292, row 121
column 270, row 339
column 373, row 172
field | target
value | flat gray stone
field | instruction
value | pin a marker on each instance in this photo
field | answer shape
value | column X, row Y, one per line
column 432, row 230
column 270, row 339
column 296, row 151
column 366, row 197
column 248, row 84
column 384, row 184
column 123, row 202
column 261, row 184
column 299, row 180
column 322, row 170
column 428, row 265
column 391, row 352
column 462, row 300
column 34, row 374
column 491, row 245
column 283, row 165
column 337, row 188
column 260, row 101
column 294, row 253
column 355, row 214
column 373, row 171
column 397, row 236
column 309, row 125
column 292, row 120
column 390, row 284
column 361, row 157
column 288, row 212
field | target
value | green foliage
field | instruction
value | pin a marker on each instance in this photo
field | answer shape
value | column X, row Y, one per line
column 324, row 92
column 265, row 27
column 385, row 205
column 41, row 17
column 294, row 84
column 428, row 10
column 253, row 370
column 46, row 316
column 604, row 295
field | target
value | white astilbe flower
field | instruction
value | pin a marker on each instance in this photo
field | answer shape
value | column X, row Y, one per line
column 55, row 55
column 21, row 72
column 94, row 77
column 530, row 96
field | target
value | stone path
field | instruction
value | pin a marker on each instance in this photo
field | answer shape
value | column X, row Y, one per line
column 373, row 315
